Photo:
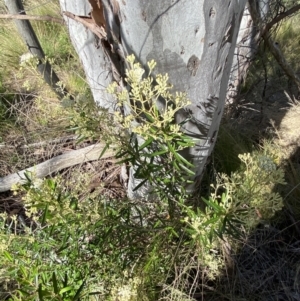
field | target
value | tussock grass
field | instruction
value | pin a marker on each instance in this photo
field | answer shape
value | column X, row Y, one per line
column 29, row 110
column 289, row 40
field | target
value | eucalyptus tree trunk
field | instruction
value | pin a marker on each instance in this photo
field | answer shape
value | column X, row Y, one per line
column 193, row 41
column 246, row 48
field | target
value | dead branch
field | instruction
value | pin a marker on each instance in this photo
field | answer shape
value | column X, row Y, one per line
column 280, row 17
column 89, row 153
column 27, row 17
column 279, row 57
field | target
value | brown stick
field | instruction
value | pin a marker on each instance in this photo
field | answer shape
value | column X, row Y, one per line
column 89, row 153
column 27, row 17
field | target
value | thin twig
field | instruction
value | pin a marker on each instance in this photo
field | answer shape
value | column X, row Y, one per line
column 37, row 18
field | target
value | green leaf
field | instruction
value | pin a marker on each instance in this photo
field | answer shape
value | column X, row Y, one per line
column 45, row 214
column 122, row 154
column 211, row 221
column 23, row 292
column 178, row 156
column 126, row 160
column 55, row 286
column 40, row 293
column 136, row 145
column 52, row 184
column 149, row 117
column 74, row 203
column 8, row 256
column 158, row 153
column 183, row 160
column 24, row 271
column 171, row 229
column 236, row 221
column 28, row 176
column 185, row 143
column 65, row 282
column 190, row 172
column 81, row 138
column 65, row 289
column 175, row 165
column 185, row 120
column 104, row 150
column 213, row 205
column 77, row 295
column 233, row 231
column 146, row 143
column 141, row 184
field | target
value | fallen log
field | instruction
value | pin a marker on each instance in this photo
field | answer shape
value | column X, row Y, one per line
column 89, row 153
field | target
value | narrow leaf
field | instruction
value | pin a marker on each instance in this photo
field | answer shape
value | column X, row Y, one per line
column 104, row 150
column 54, row 280
column 213, row 205
column 45, row 214
column 183, row 160
column 77, row 295
column 141, row 184
column 190, row 172
column 40, row 293
column 65, row 289
column 8, row 256
column 158, row 153
column 146, row 143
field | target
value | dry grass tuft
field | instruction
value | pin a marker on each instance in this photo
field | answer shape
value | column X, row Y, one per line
column 288, row 131
column 266, row 268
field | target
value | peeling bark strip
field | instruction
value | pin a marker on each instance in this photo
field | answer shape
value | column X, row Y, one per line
column 97, row 13
column 89, row 23
column 171, row 32
column 89, row 153
column 193, row 64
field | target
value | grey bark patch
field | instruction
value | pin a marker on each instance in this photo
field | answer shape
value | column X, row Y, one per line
column 144, row 16
column 212, row 13
column 193, row 64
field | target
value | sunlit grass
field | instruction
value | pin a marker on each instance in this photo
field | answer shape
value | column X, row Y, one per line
column 289, row 40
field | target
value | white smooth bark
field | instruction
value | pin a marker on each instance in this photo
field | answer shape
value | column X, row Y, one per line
column 96, row 65
column 191, row 40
